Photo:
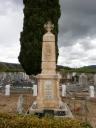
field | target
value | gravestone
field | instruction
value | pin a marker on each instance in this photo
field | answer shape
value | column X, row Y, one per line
column 83, row 80
column 63, row 90
column 20, row 103
column 92, row 91
column 34, row 90
column 7, row 90
column 69, row 76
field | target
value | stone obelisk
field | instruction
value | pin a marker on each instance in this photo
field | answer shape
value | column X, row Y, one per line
column 48, row 81
column 48, row 98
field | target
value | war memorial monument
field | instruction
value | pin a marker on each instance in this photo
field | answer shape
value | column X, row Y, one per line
column 48, row 98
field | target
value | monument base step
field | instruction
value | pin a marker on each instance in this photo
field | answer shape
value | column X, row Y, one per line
column 60, row 112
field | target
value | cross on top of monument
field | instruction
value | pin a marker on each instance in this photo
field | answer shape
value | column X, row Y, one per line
column 49, row 26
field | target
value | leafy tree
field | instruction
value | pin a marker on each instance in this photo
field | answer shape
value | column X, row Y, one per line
column 36, row 14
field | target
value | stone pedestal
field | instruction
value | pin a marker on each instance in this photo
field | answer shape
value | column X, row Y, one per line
column 48, row 91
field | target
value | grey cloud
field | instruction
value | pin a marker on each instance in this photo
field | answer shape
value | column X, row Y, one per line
column 19, row 2
column 87, row 6
column 87, row 45
column 78, row 20
column 13, row 5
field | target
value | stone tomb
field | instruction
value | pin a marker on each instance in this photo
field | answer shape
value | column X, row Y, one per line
column 48, row 98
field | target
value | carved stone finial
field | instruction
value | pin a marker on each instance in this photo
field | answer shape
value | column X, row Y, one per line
column 49, row 26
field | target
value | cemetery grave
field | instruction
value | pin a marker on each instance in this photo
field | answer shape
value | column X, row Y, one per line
column 77, row 106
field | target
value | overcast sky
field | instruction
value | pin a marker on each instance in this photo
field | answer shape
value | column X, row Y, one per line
column 77, row 32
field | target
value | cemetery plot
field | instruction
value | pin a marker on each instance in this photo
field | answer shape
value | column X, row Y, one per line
column 9, row 104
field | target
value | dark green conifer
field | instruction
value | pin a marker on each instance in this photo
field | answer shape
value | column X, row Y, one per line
column 36, row 14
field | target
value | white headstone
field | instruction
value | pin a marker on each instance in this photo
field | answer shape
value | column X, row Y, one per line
column 63, row 90
column 83, row 79
column 7, row 90
column 20, row 104
column 68, row 76
column 34, row 90
column 74, row 73
column 92, row 92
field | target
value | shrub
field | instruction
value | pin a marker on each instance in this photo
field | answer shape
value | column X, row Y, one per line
column 30, row 121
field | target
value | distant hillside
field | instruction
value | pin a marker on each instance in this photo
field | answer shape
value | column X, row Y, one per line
column 10, row 67
column 91, row 66
column 85, row 69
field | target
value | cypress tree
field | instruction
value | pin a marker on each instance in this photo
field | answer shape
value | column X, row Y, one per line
column 36, row 14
